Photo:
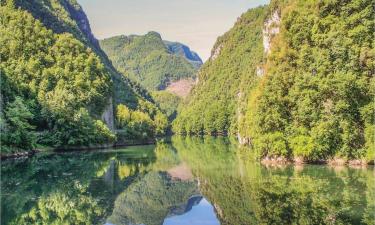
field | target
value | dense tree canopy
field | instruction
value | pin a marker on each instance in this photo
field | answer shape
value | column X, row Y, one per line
column 55, row 83
column 224, row 79
column 143, row 123
column 16, row 128
column 63, row 83
column 317, row 97
column 311, row 95
column 167, row 102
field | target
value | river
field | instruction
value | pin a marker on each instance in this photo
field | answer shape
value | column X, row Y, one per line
column 204, row 181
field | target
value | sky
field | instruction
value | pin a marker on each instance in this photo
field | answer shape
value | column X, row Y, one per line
column 196, row 23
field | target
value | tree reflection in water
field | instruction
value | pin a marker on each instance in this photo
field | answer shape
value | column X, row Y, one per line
column 147, row 184
column 245, row 192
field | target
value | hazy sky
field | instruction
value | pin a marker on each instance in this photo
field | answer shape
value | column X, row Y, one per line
column 196, row 23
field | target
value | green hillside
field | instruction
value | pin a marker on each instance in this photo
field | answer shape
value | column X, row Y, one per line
column 56, row 82
column 316, row 99
column 149, row 60
column 167, row 102
column 293, row 79
column 212, row 106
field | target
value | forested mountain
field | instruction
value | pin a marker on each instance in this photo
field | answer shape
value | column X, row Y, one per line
column 67, row 16
column 211, row 108
column 292, row 79
column 148, row 59
column 57, row 85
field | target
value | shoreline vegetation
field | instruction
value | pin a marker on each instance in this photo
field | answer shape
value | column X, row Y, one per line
column 331, row 162
column 41, row 149
column 266, row 161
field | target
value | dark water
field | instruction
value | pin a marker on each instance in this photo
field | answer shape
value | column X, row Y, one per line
column 191, row 181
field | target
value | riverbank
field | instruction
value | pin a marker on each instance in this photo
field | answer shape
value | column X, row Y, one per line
column 332, row 162
column 128, row 143
column 16, row 155
column 267, row 161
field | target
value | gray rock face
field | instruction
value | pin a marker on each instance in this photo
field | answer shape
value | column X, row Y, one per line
column 82, row 21
column 271, row 28
column 108, row 115
column 260, row 71
column 216, row 52
column 243, row 140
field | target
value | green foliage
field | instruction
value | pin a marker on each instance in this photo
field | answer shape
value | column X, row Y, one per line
column 137, row 124
column 16, row 130
column 123, row 115
column 80, row 130
column 51, row 60
column 67, row 16
column 58, row 16
column 140, row 121
column 224, row 79
column 64, row 83
column 102, row 133
column 167, row 102
column 147, row 60
column 272, row 144
column 319, row 85
column 313, row 96
column 161, row 123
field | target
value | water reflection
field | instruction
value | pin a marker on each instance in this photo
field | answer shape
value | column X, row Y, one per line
column 201, row 213
column 152, row 198
column 191, row 181
column 244, row 192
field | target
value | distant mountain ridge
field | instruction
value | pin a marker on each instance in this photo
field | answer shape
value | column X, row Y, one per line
column 150, row 60
column 183, row 50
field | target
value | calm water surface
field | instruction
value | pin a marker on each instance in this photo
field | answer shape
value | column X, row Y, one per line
column 190, row 181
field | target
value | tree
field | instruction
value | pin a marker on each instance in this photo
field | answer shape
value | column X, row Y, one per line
column 161, row 124
column 123, row 115
column 17, row 132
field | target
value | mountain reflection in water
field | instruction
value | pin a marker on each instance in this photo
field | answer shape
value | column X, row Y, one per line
column 203, row 181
